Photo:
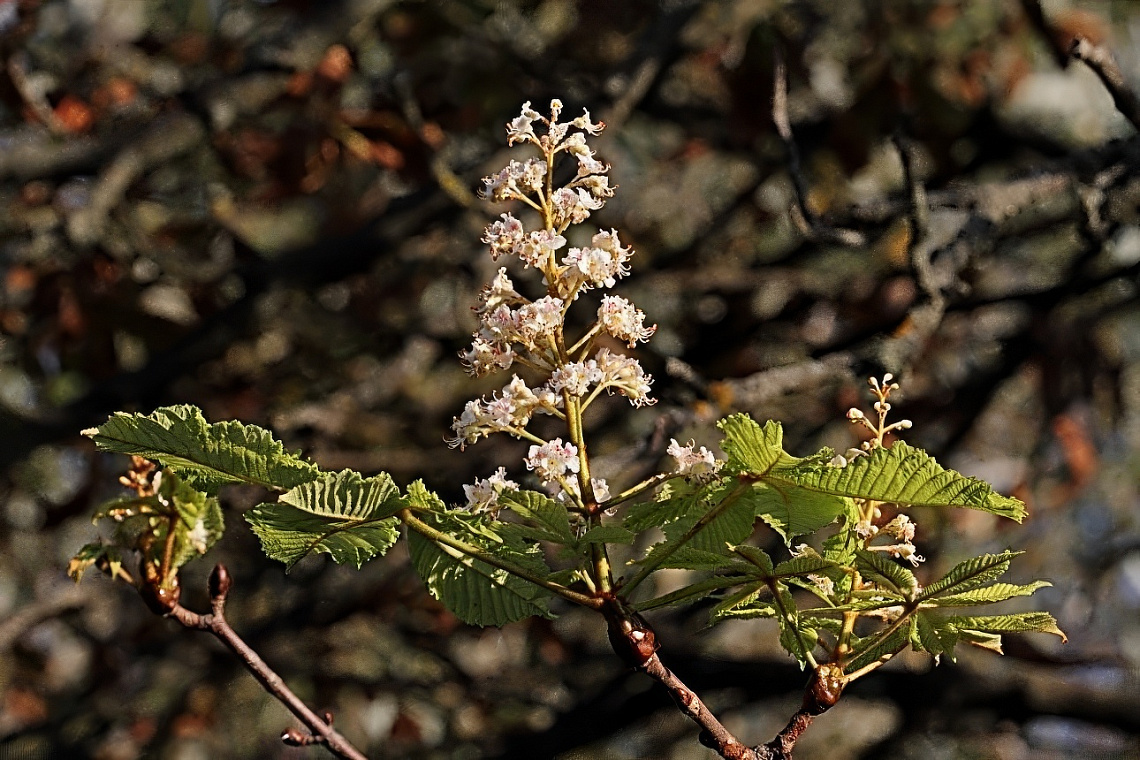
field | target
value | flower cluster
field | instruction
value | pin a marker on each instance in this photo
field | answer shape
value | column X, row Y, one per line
column 514, row 329
column 696, row 464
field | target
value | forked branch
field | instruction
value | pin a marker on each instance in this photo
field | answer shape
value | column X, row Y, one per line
column 321, row 730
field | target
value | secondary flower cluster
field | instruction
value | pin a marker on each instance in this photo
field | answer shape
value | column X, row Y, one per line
column 516, row 330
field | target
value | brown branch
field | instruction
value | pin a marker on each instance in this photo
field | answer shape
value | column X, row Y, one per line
column 805, row 219
column 1058, row 46
column 1100, row 60
column 320, row 728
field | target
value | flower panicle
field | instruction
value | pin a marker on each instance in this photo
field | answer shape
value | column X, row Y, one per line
column 517, row 330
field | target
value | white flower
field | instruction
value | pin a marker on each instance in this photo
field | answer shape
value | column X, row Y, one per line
column 521, row 129
column 552, row 460
column 626, row 375
column 538, row 247
column 699, row 464
column 601, row 490
column 486, row 356
column 504, row 236
column 573, row 206
column 483, row 495
column 538, row 319
column 624, row 321
column 576, row 377
column 603, row 262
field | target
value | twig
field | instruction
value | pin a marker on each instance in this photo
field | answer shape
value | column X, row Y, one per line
column 714, row 734
column 806, row 219
column 32, row 614
column 1057, row 44
column 1100, row 60
column 321, row 729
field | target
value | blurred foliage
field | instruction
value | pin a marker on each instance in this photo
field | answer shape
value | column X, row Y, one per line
column 264, row 209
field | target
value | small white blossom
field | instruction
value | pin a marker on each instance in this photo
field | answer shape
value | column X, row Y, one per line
column 576, row 377
column 573, row 206
column 538, row 247
column 624, row 321
column 601, row 490
column 199, row 536
column 625, row 374
column 521, row 128
column 603, row 262
column 906, row 551
column 516, row 180
column 486, row 356
column 536, row 320
column 505, row 236
column 483, row 495
column 699, row 464
column 552, row 460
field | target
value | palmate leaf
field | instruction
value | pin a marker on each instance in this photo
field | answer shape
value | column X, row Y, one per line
column 908, row 476
column 550, row 519
column 886, row 572
column 1018, row 622
column 206, row 455
column 933, row 635
column 997, row 592
column 344, row 515
column 870, row 648
column 478, row 593
column 974, row 572
column 706, row 522
column 692, row 593
column 756, row 453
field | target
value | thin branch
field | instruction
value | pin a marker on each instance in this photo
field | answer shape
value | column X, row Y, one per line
column 714, row 734
column 806, row 219
column 322, row 731
column 1100, row 60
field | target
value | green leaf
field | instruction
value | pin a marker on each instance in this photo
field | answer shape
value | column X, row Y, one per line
column 751, row 449
column 932, row 635
column 673, row 501
column 90, row 554
column 549, row 516
column 974, row 572
column 206, row 455
column 805, row 564
column 716, row 517
column 691, row 593
column 790, row 510
column 796, row 637
column 886, row 572
column 344, row 515
column 872, row 648
column 908, row 476
column 757, row 558
column 744, row 605
column 998, row 592
column 478, row 593
column 200, row 522
column 419, row 497
column 982, row 640
column 756, row 454
column 696, row 559
column 1018, row 622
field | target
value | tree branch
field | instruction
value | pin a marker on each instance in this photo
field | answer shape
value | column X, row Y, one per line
column 321, row 729
column 1100, row 60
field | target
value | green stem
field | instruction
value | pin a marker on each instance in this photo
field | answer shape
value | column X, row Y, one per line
column 640, row 488
column 649, row 566
column 883, row 635
column 475, row 552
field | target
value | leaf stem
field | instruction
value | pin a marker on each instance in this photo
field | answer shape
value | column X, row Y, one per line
column 655, row 560
column 419, row 526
